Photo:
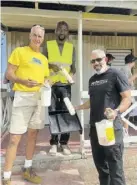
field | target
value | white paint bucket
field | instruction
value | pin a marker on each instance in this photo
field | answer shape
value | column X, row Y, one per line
column 105, row 132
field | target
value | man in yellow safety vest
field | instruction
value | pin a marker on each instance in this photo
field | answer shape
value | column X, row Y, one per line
column 60, row 52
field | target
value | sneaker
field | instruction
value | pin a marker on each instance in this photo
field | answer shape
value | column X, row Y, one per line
column 30, row 175
column 65, row 149
column 6, row 181
column 53, row 150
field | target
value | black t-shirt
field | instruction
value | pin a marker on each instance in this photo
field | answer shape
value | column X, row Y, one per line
column 104, row 92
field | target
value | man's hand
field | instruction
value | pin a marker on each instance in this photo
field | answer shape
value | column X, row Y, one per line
column 50, row 82
column 72, row 75
column 85, row 105
column 5, row 81
column 30, row 83
column 110, row 113
column 78, row 108
column 10, row 75
column 54, row 67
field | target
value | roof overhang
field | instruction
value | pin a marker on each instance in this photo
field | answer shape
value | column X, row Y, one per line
column 94, row 3
column 26, row 17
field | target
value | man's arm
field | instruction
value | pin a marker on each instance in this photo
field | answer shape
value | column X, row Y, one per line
column 128, row 74
column 123, row 88
column 10, row 75
column 124, row 105
column 5, row 80
column 125, row 101
column 73, row 66
column 131, row 79
column 86, row 105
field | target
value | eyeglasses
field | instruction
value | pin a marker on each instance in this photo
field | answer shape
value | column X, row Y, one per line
column 96, row 60
column 38, row 26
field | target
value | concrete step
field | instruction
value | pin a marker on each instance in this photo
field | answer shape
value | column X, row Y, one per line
column 44, row 161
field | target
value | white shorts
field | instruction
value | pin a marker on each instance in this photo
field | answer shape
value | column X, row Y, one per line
column 27, row 112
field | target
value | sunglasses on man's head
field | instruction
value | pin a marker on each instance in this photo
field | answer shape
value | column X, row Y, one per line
column 96, row 60
column 39, row 26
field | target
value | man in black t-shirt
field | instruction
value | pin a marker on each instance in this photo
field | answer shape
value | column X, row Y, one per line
column 109, row 91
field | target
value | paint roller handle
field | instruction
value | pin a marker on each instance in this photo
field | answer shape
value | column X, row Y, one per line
column 67, row 75
column 69, row 106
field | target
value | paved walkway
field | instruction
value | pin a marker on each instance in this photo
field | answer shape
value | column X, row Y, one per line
column 43, row 141
column 82, row 172
column 70, row 170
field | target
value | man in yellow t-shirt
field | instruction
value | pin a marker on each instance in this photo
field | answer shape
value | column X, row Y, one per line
column 27, row 69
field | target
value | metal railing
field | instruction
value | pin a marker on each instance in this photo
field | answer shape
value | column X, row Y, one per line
column 6, row 106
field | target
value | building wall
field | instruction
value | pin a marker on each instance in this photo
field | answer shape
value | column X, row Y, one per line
column 3, row 57
column 15, row 39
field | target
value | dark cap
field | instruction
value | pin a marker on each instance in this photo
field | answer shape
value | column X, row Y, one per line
column 110, row 56
column 130, row 58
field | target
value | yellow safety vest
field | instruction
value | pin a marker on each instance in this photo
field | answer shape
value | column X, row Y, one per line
column 64, row 59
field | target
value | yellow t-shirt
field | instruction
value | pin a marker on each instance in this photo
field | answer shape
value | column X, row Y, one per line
column 31, row 65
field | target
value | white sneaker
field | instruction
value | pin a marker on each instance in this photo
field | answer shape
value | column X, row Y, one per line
column 65, row 149
column 53, row 150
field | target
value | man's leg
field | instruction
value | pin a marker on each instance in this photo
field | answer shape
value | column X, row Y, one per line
column 10, row 157
column 18, row 126
column 114, row 155
column 35, row 124
column 32, row 137
column 64, row 138
column 54, row 140
column 65, row 91
column 52, row 109
column 99, row 158
column 28, row 171
column 54, row 144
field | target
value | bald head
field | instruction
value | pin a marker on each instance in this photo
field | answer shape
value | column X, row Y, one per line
column 37, row 28
column 98, row 53
column 62, row 23
column 62, row 31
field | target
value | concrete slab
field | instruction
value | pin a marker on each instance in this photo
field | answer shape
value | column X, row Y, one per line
column 67, row 177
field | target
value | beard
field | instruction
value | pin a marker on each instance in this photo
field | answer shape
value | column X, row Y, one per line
column 62, row 37
column 101, row 70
